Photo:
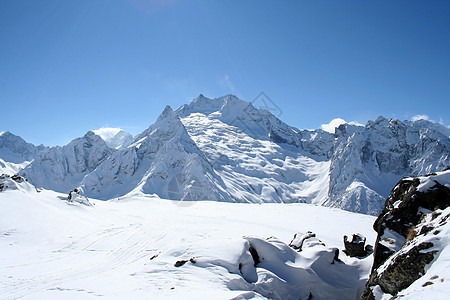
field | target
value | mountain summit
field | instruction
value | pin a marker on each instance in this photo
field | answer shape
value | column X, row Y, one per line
column 226, row 149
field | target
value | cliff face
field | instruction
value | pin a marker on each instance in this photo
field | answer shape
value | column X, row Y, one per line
column 412, row 237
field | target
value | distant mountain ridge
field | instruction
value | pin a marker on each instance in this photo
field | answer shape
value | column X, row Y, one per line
column 226, row 149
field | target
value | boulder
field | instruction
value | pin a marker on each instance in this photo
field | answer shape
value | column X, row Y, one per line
column 356, row 246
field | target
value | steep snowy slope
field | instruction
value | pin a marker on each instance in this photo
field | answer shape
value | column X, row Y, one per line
column 258, row 123
column 162, row 160
column 263, row 159
column 62, row 168
column 368, row 161
column 257, row 170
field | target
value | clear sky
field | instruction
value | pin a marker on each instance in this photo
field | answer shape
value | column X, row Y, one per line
column 67, row 67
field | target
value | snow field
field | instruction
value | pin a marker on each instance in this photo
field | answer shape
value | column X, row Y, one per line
column 127, row 248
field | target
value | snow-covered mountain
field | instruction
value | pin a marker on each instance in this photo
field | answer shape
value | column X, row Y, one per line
column 63, row 168
column 115, row 138
column 15, row 153
column 226, row 149
column 368, row 161
column 162, row 160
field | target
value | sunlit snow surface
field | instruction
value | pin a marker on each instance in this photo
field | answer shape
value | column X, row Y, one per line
column 54, row 249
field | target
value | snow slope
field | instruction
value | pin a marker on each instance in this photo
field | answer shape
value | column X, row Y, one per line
column 128, row 248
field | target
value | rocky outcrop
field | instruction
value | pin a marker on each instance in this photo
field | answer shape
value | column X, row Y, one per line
column 356, row 247
column 409, row 233
column 15, row 182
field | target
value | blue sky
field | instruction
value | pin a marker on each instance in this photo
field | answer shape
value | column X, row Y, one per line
column 67, row 67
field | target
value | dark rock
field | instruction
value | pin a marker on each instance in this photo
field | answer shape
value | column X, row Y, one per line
column 18, row 178
column 255, row 255
column 403, row 218
column 355, row 247
column 182, row 262
column 406, row 269
column 399, row 217
column 336, row 257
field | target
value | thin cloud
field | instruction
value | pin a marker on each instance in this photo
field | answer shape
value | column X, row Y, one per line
column 226, row 82
column 330, row 127
column 420, row 117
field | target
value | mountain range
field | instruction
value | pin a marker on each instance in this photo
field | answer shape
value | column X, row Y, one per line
column 229, row 150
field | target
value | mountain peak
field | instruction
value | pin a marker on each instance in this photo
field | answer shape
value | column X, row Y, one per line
column 114, row 137
column 206, row 106
column 167, row 113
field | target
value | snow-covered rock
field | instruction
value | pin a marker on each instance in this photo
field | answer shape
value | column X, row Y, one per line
column 412, row 244
column 76, row 196
column 14, row 149
column 15, row 182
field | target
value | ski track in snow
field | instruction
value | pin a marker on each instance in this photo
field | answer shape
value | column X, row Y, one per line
column 53, row 249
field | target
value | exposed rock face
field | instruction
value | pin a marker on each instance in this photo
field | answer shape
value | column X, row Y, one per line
column 367, row 161
column 409, row 232
column 356, row 246
column 62, row 168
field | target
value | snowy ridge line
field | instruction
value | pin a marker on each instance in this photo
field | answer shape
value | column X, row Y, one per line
column 226, row 149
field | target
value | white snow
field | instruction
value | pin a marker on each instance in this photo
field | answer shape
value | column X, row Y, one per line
column 127, row 248
column 428, row 182
column 392, row 240
column 11, row 168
